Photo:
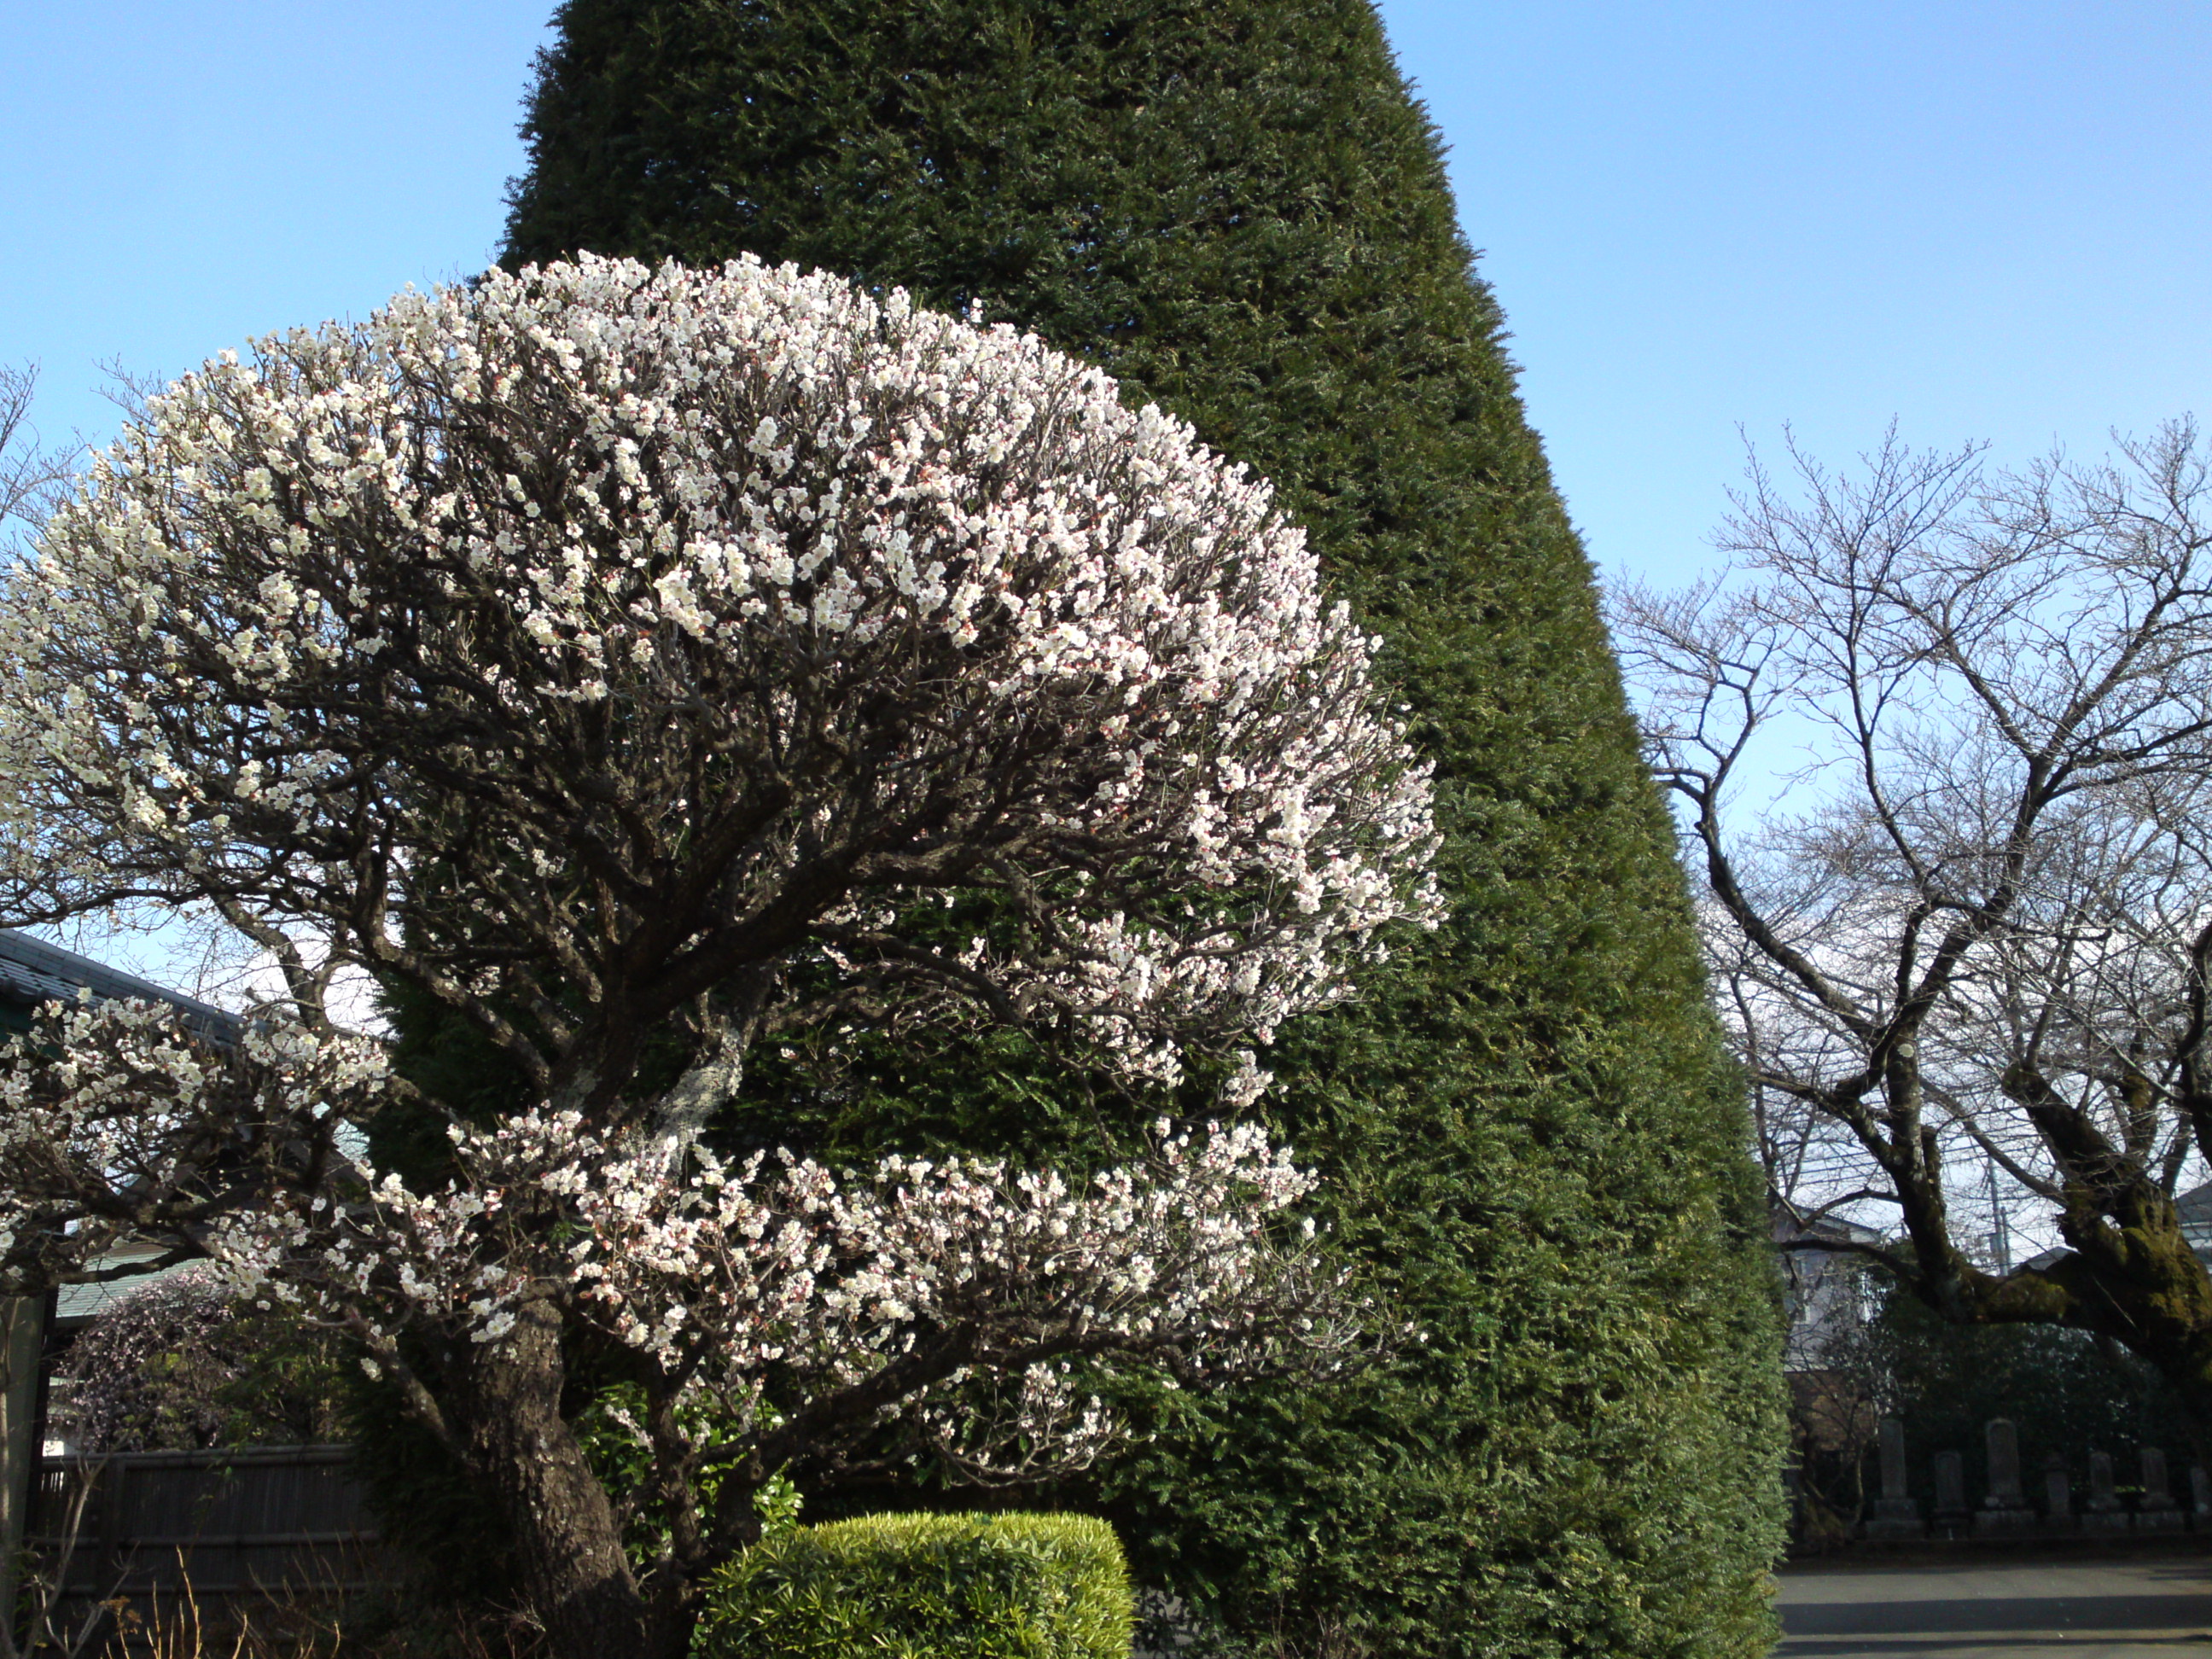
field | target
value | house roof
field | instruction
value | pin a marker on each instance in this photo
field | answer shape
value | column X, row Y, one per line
column 33, row 972
column 1829, row 1229
column 78, row 1304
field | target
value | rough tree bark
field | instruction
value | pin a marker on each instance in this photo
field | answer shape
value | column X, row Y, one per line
column 508, row 1404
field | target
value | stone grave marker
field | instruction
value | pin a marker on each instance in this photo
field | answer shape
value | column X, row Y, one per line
column 2103, row 1513
column 2005, row 1510
column 1896, row 1512
column 2157, row 1513
column 1951, row 1512
column 2058, row 1495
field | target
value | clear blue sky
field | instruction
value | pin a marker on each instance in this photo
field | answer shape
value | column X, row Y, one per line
column 1985, row 219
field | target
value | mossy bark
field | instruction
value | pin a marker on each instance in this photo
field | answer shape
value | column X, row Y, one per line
column 2128, row 1275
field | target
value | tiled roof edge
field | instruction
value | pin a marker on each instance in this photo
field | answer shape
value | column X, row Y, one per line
column 33, row 971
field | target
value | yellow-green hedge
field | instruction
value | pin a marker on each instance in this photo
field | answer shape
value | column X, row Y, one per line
column 925, row 1587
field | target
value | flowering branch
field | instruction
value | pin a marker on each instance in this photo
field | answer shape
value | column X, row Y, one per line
column 951, row 1303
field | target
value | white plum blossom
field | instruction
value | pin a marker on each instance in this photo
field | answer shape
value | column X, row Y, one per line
column 699, row 622
column 118, row 1124
column 906, row 1281
column 953, row 1299
column 640, row 665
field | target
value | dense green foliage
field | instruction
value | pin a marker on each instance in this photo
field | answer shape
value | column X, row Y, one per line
column 926, row 1586
column 1237, row 207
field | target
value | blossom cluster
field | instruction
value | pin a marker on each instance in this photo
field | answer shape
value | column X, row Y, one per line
column 723, row 1275
column 961, row 1297
column 120, row 1124
column 650, row 603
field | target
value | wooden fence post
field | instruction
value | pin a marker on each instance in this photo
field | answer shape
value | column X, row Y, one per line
column 22, row 1335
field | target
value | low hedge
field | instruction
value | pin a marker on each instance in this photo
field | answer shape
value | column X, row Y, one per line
column 925, row 1587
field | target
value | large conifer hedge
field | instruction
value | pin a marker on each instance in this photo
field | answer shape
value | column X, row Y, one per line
column 1237, row 207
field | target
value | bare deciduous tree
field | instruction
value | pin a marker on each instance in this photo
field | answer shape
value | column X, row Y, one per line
column 1975, row 927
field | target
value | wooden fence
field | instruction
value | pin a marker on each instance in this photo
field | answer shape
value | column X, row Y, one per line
column 238, row 1524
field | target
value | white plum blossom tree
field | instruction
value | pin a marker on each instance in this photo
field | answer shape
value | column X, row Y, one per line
column 176, row 1361
column 643, row 664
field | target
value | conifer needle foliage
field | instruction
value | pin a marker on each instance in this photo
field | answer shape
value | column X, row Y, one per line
column 1239, row 209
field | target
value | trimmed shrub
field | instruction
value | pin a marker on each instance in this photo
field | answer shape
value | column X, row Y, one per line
column 925, row 1587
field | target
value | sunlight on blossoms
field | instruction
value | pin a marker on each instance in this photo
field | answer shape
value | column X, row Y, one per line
column 719, row 1273
column 641, row 606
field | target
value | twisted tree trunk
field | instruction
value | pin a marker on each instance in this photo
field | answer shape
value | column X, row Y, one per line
column 569, row 1547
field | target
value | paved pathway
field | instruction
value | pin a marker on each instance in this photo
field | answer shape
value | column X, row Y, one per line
column 2157, row 1608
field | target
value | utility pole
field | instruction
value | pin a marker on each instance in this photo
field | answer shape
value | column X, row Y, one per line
column 23, row 1333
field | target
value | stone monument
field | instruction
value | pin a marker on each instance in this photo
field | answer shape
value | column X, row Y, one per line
column 1896, row 1513
column 2058, row 1495
column 2157, row 1513
column 1952, row 1514
column 2103, row 1513
column 2005, row 1510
